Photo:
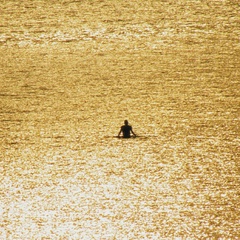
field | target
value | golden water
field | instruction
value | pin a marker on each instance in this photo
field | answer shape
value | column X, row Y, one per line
column 72, row 72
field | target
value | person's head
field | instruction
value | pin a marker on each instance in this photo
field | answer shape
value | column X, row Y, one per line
column 126, row 122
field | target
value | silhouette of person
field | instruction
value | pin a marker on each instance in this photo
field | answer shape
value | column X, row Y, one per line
column 126, row 130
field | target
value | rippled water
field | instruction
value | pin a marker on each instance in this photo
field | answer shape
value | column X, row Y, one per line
column 72, row 72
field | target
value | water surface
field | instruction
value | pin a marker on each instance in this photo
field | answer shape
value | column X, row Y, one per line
column 72, row 72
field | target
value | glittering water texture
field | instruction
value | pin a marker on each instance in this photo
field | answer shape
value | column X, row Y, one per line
column 72, row 72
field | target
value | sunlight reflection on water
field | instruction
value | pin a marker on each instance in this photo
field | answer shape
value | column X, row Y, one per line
column 66, row 87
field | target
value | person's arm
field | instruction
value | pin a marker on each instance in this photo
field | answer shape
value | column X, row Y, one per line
column 133, row 133
column 119, row 132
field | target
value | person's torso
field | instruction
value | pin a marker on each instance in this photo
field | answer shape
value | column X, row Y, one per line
column 126, row 129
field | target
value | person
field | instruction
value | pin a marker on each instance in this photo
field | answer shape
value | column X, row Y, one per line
column 126, row 130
